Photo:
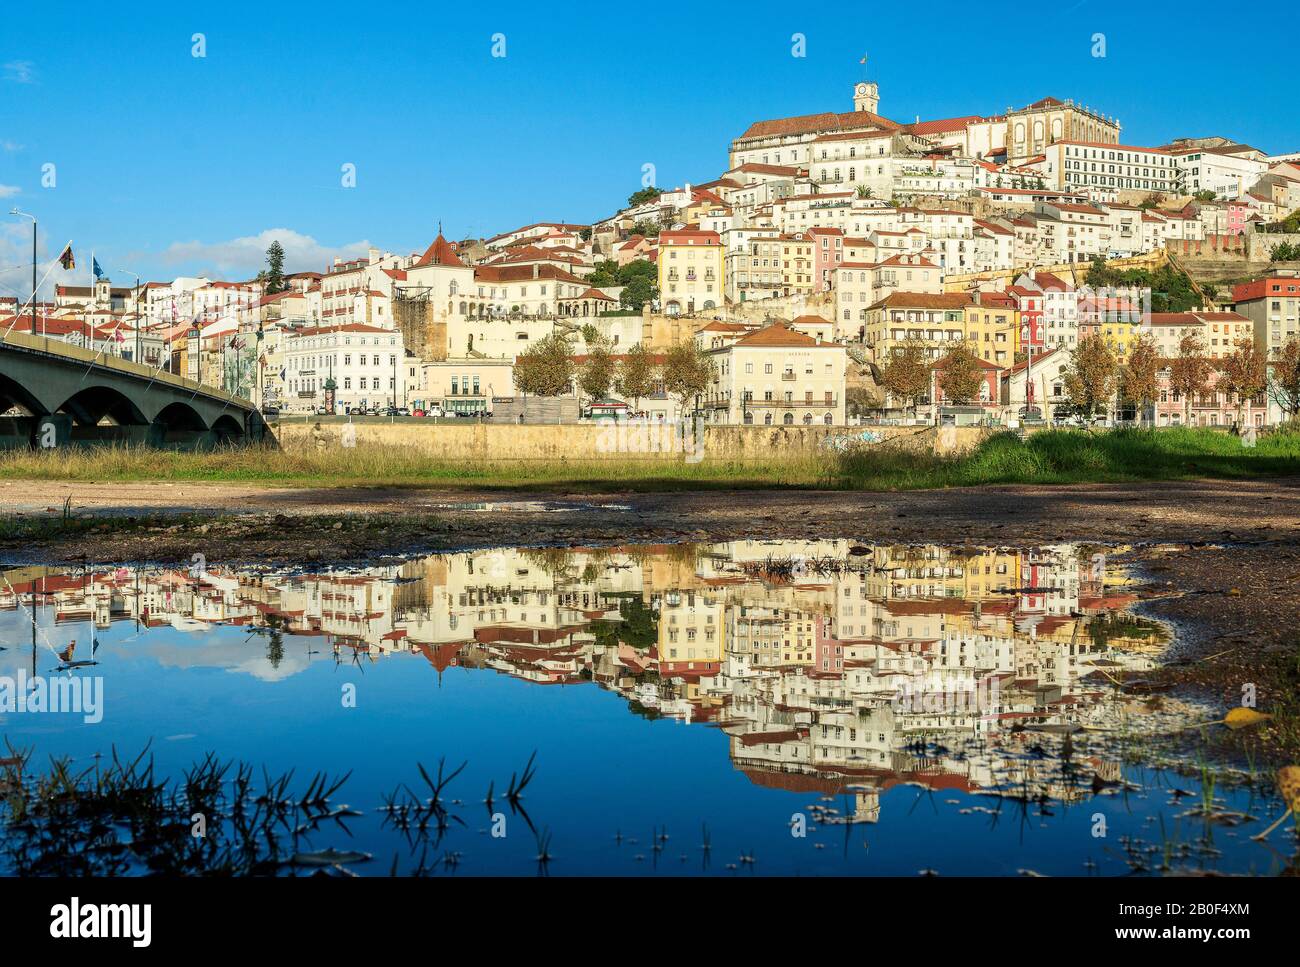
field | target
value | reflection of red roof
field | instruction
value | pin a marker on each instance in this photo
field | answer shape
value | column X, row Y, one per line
column 441, row 656
column 762, row 738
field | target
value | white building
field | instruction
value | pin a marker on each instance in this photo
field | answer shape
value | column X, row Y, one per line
column 365, row 364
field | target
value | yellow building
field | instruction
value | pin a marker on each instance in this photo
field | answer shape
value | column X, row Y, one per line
column 797, row 274
column 691, row 271
column 936, row 320
column 993, row 327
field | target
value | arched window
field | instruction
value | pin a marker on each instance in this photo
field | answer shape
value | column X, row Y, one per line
column 749, row 419
column 788, row 419
column 767, row 419
column 827, row 420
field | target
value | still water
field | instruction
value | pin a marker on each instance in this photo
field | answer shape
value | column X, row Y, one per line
column 742, row 708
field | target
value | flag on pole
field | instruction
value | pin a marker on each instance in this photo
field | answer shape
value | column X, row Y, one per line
column 66, row 259
column 864, row 59
column 94, row 267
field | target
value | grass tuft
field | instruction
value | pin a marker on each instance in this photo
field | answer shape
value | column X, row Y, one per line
column 1047, row 457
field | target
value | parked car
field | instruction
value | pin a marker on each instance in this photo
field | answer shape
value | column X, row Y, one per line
column 270, row 411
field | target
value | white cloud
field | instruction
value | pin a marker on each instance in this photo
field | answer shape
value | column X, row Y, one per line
column 8, row 191
column 20, row 72
column 245, row 257
column 10, row 146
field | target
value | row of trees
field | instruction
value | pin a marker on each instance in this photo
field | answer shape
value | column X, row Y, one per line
column 1095, row 374
column 548, row 368
column 906, row 374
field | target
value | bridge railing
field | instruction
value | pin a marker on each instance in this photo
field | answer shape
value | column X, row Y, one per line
column 67, row 351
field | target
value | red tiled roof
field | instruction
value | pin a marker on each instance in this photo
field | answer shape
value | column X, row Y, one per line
column 825, row 122
column 440, row 252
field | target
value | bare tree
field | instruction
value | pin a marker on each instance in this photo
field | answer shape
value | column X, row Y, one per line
column 1140, row 377
column 1090, row 381
column 1244, row 373
column 960, row 374
column 1189, row 371
column 906, row 373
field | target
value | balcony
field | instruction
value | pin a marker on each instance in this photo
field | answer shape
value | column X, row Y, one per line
column 822, row 403
column 788, row 375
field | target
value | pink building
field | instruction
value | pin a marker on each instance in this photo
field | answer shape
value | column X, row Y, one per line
column 1238, row 214
column 828, row 253
column 1213, row 408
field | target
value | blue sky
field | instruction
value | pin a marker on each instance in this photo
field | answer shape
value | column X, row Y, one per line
column 169, row 164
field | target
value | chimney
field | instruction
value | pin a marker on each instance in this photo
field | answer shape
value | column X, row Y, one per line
column 337, row 261
column 373, row 255
column 537, row 271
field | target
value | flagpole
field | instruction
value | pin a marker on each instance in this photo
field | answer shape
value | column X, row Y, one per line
column 90, row 338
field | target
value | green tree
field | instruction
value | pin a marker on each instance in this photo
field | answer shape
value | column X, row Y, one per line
column 1091, row 376
column 1284, row 252
column 546, row 367
column 596, row 374
column 637, row 293
column 636, row 375
column 863, row 191
column 906, row 373
column 646, row 228
column 961, row 375
column 1205, row 195
column 687, row 370
column 605, row 272
column 275, row 272
column 644, row 195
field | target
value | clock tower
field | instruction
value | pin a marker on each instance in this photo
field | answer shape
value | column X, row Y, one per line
column 866, row 96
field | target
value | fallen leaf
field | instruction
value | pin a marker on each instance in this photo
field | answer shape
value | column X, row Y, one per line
column 1244, row 718
column 1288, row 783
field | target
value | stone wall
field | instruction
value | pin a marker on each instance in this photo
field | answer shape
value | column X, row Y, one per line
column 609, row 441
column 1220, row 257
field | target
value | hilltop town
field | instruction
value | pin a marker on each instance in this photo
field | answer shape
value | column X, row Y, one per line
column 843, row 267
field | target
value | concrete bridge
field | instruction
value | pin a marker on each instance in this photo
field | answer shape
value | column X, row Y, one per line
column 66, row 395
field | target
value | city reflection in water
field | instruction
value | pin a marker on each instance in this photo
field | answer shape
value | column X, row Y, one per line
column 837, row 671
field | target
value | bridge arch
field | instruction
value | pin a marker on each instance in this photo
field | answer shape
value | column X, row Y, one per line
column 91, row 405
column 14, row 394
column 227, row 429
column 179, row 415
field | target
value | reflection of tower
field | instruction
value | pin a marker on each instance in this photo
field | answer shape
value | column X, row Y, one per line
column 866, row 805
column 866, row 96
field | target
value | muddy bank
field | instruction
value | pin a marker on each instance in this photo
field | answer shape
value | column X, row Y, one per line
column 109, row 522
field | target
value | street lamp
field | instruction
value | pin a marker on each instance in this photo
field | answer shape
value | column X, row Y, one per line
column 1027, row 334
column 15, row 211
column 137, row 312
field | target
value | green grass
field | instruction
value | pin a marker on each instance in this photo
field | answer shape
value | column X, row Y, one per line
column 1048, row 457
column 1079, row 456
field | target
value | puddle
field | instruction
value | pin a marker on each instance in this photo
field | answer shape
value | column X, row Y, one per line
column 739, row 708
column 524, row 506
